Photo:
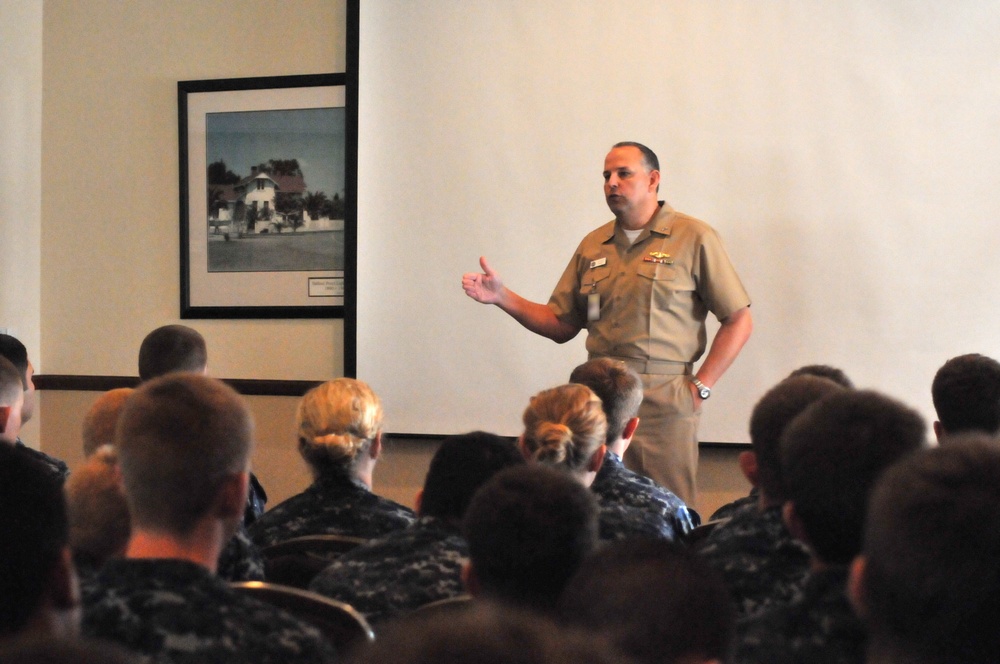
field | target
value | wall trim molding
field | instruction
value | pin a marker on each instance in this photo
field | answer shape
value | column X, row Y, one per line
column 246, row 386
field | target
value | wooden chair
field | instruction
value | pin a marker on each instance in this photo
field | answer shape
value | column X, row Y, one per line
column 296, row 561
column 340, row 623
column 447, row 604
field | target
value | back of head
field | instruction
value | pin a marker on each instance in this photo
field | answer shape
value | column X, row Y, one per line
column 932, row 583
column 10, row 383
column 564, row 426
column 824, row 371
column 831, row 456
column 775, row 410
column 528, row 530
column 617, row 386
column 460, row 466
column 483, row 633
column 659, row 602
column 966, row 393
column 178, row 439
column 99, row 524
column 15, row 352
column 34, row 535
column 170, row 349
column 100, row 421
column 337, row 421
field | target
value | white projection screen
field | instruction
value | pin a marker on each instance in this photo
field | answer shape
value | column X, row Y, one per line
column 848, row 153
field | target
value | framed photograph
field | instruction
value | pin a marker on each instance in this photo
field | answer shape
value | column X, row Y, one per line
column 267, row 197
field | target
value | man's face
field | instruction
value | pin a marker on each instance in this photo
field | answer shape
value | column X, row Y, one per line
column 12, row 425
column 628, row 186
column 29, row 395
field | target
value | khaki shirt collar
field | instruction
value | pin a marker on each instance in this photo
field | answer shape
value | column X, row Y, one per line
column 661, row 224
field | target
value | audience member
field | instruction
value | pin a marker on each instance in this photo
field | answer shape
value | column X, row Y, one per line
column 15, row 352
column 528, row 530
column 966, row 394
column 484, row 633
column 565, row 427
column 99, row 523
column 340, row 438
column 180, row 349
column 760, row 561
column 657, row 602
column 831, row 456
column 38, row 589
column 422, row 563
column 184, row 443
column 102, row 417
column 620, row 391
column 927, row 582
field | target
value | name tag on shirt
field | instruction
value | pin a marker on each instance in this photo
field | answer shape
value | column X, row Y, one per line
column 598, row 263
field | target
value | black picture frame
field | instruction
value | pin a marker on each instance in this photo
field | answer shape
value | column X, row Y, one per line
column 257, row 274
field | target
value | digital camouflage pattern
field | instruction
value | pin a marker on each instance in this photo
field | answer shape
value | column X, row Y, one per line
column 817, row 628
column 760, row 561
column 400, row 572
column 57, row 467
column 616, row 484
column 241, row 559
column 620, row 522
column 332, row 505
column 177, row 612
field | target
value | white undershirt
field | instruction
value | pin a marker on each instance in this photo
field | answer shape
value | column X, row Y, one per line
column 632, row 235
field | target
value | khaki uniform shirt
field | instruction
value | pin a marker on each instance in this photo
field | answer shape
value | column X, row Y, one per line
column 654, row 294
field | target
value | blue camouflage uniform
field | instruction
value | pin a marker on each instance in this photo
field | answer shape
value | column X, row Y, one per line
column 817, row 628
column 399, row 572
column 760, row 561
column 334, row 504
column 56, row 467
column 241, row 560
column 175, row 611
column 616, row 484
column 619, row 522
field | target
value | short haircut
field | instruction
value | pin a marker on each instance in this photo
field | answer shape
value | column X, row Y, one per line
column 825, row 371
column 99, row 523
column 337, row 421
column 932, row 542
column 482, row 633
column 100, row 421
column 649, row 157
column 459, row 467
column 10, row 383
column 831, row 456
column 178, row 437
column 34, row 534
column 528, row 530
column 15, row 352
column 617, row 386
column 564, row 426
column 170, row 349
column 659, row 602
column 775, row 410
column 966, row 394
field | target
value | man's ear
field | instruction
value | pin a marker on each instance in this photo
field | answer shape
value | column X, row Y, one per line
column 856, row 583
column 232, row 497
column 630, row 428
column 748, row 465
column 4, row 416
column 793, row 522
column 597, row 460
column 654, row 180
column 938, row 430
column 470, row 580
column 375, row 449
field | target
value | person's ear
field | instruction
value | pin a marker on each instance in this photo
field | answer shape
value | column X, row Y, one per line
column 630, row 428
column 232, row 497
column 654, row 180
column 938, row 431
column 793, row 522
column 470, row 580
column 597, row 460
column 4, row 417
column 856, row 584
column 748, row 466
column 375, row 449
column 418, row 500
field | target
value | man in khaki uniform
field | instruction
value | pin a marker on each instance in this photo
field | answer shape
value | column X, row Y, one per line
column 643, row 285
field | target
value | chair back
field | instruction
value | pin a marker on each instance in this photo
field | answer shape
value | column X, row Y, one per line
column 340, row 623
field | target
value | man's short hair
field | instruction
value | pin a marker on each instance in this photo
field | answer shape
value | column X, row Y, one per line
column 831, row 456
column 649, row 158
column 10, row 383
column 775, row 410
column 528, row 530
column 99, row 522
column 17, row 354
column 34, row 534
column 618, row 387
column 178, row 438
column 966, row 394
column 932, row 583
column 659, row 602
column 824, row 371
column 170, row 349
column 459, row 467
column 100, row 421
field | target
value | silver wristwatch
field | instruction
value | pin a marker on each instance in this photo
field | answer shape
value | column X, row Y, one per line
column 703, row 390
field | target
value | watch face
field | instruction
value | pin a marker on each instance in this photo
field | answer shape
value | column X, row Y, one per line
column 704, row 392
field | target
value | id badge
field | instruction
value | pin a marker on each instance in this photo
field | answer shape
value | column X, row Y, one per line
column 593, row 307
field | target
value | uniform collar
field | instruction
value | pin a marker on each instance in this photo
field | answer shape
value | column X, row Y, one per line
column 661, row 224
